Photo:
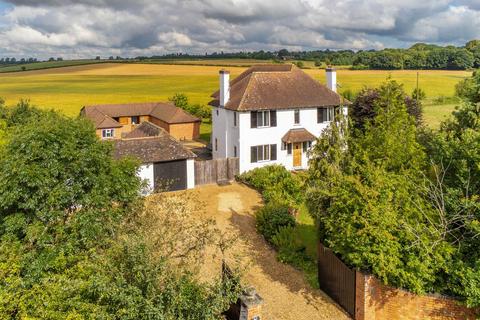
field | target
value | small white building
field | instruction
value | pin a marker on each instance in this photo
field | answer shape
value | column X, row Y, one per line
column 271, row 114
column 166, row 165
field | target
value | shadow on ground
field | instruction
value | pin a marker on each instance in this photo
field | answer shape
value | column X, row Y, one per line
column 266, row 259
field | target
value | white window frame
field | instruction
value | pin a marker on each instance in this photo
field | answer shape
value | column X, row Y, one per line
column 265, row 148
column 329, row 112
column 108, row 133
column 295, row 112
column 263, row 119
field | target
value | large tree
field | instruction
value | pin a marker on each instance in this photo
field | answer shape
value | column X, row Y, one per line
column 364, row 194
column 455, row 152
column 71, row 239
column 469, row 89
column 368, row 103
column 403, row 202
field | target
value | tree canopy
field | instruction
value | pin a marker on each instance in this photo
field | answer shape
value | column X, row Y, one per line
column 71, row 240
column 401, row 201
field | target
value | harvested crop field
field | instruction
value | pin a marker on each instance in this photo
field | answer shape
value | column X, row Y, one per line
column 69, row 88
column 285, row 292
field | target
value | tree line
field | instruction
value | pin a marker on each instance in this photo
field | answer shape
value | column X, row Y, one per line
column 418, row 56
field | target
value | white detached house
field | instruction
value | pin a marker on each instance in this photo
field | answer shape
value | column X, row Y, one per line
column 271, row 114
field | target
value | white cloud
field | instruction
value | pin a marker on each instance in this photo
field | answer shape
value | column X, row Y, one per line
column 111, row 27
column 175, row 39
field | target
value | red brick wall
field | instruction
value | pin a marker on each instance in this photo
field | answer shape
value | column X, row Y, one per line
column 375, row 301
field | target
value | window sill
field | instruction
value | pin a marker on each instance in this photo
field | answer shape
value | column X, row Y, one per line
column 263, row 161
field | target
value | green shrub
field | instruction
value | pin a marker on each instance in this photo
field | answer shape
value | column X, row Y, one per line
column 271, row 218
column 300, row 64
column 286, row 239
column 276, row 184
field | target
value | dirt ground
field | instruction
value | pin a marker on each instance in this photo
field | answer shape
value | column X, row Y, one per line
column 285, row 292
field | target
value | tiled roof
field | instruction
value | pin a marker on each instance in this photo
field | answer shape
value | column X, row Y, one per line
column 298, row 135
column 144, row 129
column 100, row 120
column 160, row 148
column 166, row 112
column 277, row 87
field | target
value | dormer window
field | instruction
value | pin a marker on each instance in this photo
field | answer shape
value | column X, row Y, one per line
column 108, row 133
column 135, row 119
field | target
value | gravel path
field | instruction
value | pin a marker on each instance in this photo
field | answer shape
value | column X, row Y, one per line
column 285, row 292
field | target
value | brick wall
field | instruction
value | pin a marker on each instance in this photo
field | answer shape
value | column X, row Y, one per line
column 160, row 123
column 375, row 301
column 185, row 131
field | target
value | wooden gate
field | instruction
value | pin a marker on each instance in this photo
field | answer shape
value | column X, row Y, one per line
column 336, row 279
column 216, row 170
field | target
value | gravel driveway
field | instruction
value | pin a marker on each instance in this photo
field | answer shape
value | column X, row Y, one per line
column 285, row 292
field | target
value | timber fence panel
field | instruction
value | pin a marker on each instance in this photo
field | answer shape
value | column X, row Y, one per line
column 336, row 279
column 216, row 170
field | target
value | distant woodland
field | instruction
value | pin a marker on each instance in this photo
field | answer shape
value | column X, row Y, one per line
column 418, row 56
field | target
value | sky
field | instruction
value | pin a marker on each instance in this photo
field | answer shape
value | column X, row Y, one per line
column 87, row 28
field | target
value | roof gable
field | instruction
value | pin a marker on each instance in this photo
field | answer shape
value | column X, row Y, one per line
column 144, row 129
column 166, row 112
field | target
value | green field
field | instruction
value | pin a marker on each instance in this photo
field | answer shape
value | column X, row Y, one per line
column 46, row 65
column 69, row 88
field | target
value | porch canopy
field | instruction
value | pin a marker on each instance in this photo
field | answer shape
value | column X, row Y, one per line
column 298, row 135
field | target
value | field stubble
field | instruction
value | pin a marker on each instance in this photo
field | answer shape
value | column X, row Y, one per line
column 69, row 88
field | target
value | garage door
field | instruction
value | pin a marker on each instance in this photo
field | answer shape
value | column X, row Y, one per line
column 170, row 176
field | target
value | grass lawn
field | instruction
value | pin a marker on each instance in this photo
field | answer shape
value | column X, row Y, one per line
column 306, row 234
column 433, row 115
column 69, row 88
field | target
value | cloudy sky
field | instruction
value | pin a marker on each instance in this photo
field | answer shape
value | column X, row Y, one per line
column 86, row 28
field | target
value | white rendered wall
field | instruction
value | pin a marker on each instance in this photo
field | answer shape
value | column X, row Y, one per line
column 145, row 173
column 273, row 135
column 331, row 79
column 226, row 133
column 190, row 173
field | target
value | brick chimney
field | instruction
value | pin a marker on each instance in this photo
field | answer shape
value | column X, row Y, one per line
column 331, row 78
column 224, row 87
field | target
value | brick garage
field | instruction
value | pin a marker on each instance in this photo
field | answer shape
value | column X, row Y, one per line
column 180, row 131
column 375, row 301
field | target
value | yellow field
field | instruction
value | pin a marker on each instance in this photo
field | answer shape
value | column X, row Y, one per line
column 69, row 88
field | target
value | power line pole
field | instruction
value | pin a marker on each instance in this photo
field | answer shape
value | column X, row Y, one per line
column 417, row 93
